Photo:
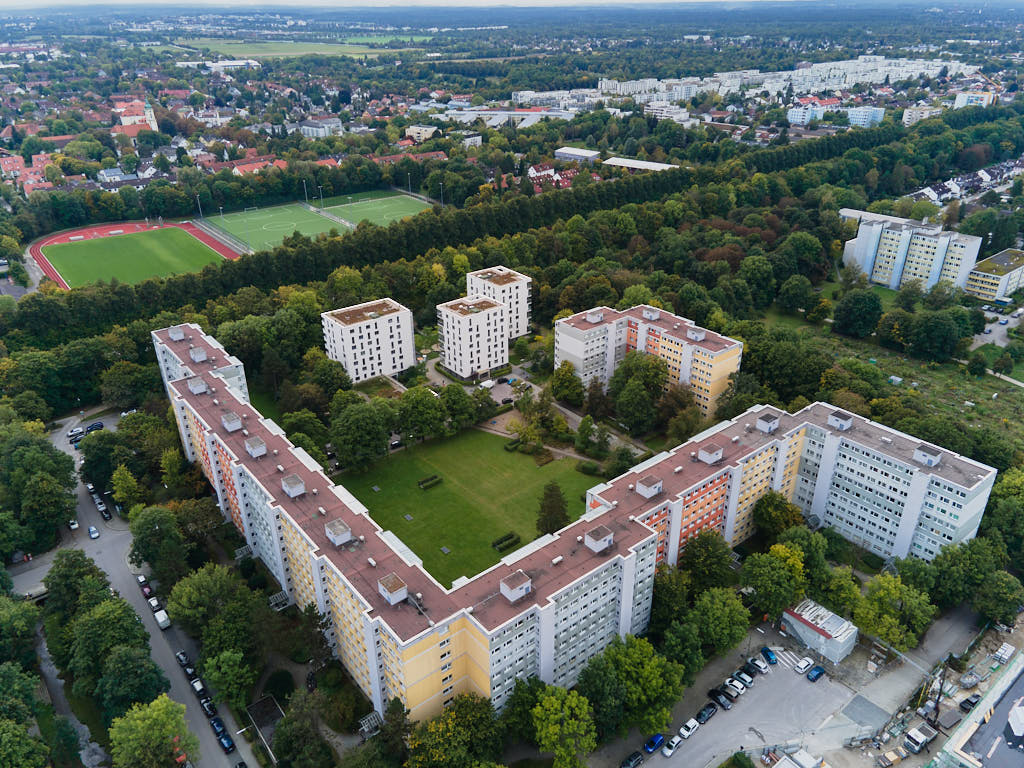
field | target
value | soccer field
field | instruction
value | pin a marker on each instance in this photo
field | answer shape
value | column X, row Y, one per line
column 379, row 209
column 130, row 258
column 264, row 228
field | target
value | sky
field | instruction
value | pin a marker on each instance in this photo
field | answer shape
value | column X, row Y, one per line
column 30, row 4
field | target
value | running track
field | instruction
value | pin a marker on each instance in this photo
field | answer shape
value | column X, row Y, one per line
column 105, row 230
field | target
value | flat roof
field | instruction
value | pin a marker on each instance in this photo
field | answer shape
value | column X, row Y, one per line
column 1002, row 263
column 577, row 151
column 500, row 275
column 638, row 165
column 361, row 313
column 469, row 306
column 666, row 322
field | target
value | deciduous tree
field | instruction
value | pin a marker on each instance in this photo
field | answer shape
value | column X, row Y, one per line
column 566, row 385
column 231, row 677
column 129, row 676
column 707, row 560
column 722, row 619
column 564, row 727
column 152, row 735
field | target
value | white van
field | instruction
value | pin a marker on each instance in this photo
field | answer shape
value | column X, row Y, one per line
column 162, row 619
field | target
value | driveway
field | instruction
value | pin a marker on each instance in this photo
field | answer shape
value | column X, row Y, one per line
column 110, row 551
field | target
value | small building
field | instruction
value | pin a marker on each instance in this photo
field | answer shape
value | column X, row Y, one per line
column 420, row 133
column 473, row 333
column 575, row 155
column 638, row 165
column 820, row 630
column 374, row 338
column 998, row 276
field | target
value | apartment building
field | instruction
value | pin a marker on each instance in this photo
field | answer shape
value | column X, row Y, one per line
column 880, row 488
column 865, row 117
column 375, row 338
column 998, row 276
column 543, row 610
column 804, row 113
column 509, row 288
column 913, row 115
column 596, row 341
column 420, row 133
column 473, row 333
column 974, row 99
column 892, row 251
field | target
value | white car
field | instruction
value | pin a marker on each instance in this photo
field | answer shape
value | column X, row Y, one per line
column 671, row 746
column 761, row 664
column 154, row 604
column 803, row 665
column 687, row 729
column 735, row 685
column 93, row 533
column 73, row 525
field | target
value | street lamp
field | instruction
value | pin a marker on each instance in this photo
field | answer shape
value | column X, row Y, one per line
column 200, row 206
column 304, row 192
column 442, row 194
column 321, row 188
column 222, row 212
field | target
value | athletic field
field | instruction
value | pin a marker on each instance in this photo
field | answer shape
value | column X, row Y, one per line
column 130, row 258
column 379, row 207
column 264, row 228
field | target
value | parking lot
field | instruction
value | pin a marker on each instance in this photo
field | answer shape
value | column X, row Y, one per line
column 995, row 332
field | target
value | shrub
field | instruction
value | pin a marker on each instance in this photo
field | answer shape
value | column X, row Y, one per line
column 430, row 483
column 588, row 467
column 513, row 542
column 280, row 685
column 502, row 539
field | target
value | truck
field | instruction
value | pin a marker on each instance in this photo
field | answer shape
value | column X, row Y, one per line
column 918, row 737
column 162, row 620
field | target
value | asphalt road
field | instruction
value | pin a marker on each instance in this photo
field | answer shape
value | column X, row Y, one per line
column 110, row 551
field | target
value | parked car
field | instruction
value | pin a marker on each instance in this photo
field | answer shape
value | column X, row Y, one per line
column 162, row 619
column 226, row 743
column 198, row 688
column 93, row 533
column 190, row 672
column 217, row 725
column 1004, row 321
column 503, row 380
column 759, row 664
column 729, row 691
column 396, row 444
column 706, row 713
column 671, row 746
column 720, row 699
column 803, row 665
column 181, row 656
column 105, row 513
column 654, row 743
column 987, row 330
column 970, row 702
column 208, row 707
column 147, row 591
column 73, row 525
column 686, row 730
column 744, row 677
column 506, row 401
column 154, row 604
column 90, row 488
column 816, row 673
column 75, row 432
column 769, row 655
column 94, row 427
column 634, row 760
column 101, row 507
column 736, row 685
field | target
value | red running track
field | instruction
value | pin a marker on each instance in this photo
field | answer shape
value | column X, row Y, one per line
column 106, row 230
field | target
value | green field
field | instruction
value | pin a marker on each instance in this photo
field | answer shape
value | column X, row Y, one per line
column 387, row 38
column 486, row 492
column 258, row 49
column 266, row 227
column 380, row 210
column 130, row 258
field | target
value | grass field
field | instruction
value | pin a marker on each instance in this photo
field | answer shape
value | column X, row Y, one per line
column 380, row 210
column 266, row 227
column 130, row 258
column 387, row 38
column 486, row 492
column 258, row 49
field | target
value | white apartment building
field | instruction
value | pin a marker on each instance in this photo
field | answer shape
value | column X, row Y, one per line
column 473, row 333
column 804, row 113
column 892, row 251
column 997, row 277
column 374, row 338
column 865, row 117
column 509, row 288
column 663, row 110
column 974, row 99
column 912, row 115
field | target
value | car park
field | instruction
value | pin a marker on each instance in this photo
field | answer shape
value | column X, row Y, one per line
column 226, row 743
column 706, row 713
column 769, row 655
column 759, row 664
column 744, row 677
column 687, row 729
column 154, row 604
column 671, row 746
column 93, row 533
column 970, row 702
column 73, row 525
column 816, row 673
column 803, row 665
column 735, row 685
column 654, row 743
column 720, row 699
column 208, row 707
column 634, row 760
column 217, row 725
column 181, row 656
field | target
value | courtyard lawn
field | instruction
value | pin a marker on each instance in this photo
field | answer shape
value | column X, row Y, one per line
column 262, row 228
column 130, row 258
column 380, row 210
column 486, row 492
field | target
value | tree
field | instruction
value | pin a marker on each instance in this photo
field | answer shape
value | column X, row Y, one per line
column 599, row 684
column 64, row 749
column 977, row 364
column 46, row 505
column 721, row 618
column 564, row 727
column 459, row 406
column 598, row 404
column 96, row 632
column 306, row 422
column 670, row 600
column 812, row 546
column 635, row 407
column 467, row 732
column 18, row 749
column 517, row 718
column 157, row 540
column 649, row 370
column 197, row 519
column 359, row 435
column 203, row 594
column 857, row 313
column 553, row 514
column 795, row 294
column 682, row 645
column 919, row 574
column 774, row 513
column 127, row 490
column 909, row 295
column 130, row 676
column 420, row 414
column 18, row 621
column 999, row 597
column 19, row 699
column 126, row 385
column 651, row 683
column 1003, row 364
column 395, row 730
column 893, row 611
column 566, row 385
column 70, row 571
column 707, row 560
column 297, row 741
column 584, row 441
column 231, row 677
column 775, row 585
column 152, row 735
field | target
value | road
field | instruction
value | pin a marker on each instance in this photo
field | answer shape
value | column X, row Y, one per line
column 110, row 551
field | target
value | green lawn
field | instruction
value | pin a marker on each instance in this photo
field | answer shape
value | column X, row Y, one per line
column 887, row 295
column 130, row 258
column 263, row 401
column 381, row 210
column 387, row 38
column 266, row 227
column 486, row 492
column 357, row 197
column 258, row 49
column 993, row 352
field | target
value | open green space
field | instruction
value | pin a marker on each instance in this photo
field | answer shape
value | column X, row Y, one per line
column 264, row 228
column 263, row 401
column 130, row 258
column 385, row 37
column 358, row 197
column 486, row 492
column 258, row 49
column 993, row 352
column 377, row 210
column 887, row 295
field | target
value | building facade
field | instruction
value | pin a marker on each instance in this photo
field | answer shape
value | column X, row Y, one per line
column 865, row 117
column 805, row 113
column 374, row 338
column 510, row 289
column 998, row 276
column 974, row 99
column 892, row 251
column 912, row 115
column 473, row 333
column 596, row 341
